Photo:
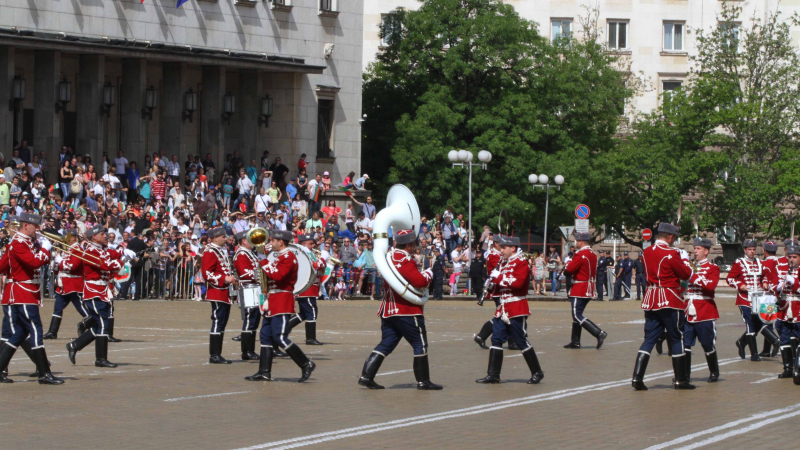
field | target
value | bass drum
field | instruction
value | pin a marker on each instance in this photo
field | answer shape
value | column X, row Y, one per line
column 306, row 275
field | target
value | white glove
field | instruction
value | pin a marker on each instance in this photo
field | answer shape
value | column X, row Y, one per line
column 130, row 254
column 45, row 244
column 789, row 280
column 112, row 246
column 428, row 273
column 495, row 273
column 59, row 258
column 684, row 254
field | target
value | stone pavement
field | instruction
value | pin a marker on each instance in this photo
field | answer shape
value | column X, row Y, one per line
column 165, row 395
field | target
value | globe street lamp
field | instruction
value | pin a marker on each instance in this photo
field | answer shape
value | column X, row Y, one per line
column 542, row 181
column 463, row 158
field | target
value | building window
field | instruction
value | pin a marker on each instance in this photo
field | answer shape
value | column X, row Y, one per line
column 325, row 128
column 667, row 87
column 327, row 5
column 732, row 30
column 560, row 28
column 390, row 26
column 673, row 36
column 617, row 34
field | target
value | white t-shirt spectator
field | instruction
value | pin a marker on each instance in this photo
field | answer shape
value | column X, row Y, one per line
column 456, row 257
column 173, row 169
column 244, row 185
column 119, row 163
column 363, row 224
column 183, row 228
column 262, row 202
column 108, row 178
column 311, row 185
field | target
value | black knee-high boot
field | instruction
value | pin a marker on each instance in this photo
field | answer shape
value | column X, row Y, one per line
column 79, row 344
column 52, row 332
column 595, row 331
column 371, row 367
column 294, row 321
column 753, row 344
column 788, row 365
column 300, row 358
column 679, row 367
column 101, row 353
column 6, row 352
column 422, row 373
column 495, row 366
column 248, row 345
column 26, row 347
column 110, row 332
column 264, row 366
column 215, row 349
column 639, row 370
column 575, row 340
column 713, row 366
column 771, row 342
column 43, row 367
column 533, row 365
column 86, row 324
column 311, row 334
column 741, row 344
column 483, row 335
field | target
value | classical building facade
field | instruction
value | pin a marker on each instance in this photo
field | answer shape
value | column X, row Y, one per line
column 205, row 77
column 654, row 33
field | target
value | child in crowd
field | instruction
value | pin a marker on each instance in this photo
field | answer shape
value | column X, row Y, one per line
column 227, row 190
column 340, row 290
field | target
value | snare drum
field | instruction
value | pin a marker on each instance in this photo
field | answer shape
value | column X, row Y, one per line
column 765, row 306
column 250, row 296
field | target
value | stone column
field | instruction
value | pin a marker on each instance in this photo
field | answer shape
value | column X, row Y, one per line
column 132, row 132
column 248, row 112
column 212, row 133
column 172, row 87
column 91, row 119
column 46, row 122
column 6, row 106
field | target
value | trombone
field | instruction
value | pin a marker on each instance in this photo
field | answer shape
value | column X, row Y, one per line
column 330, row 258
column 258, row 238
column 65, row 244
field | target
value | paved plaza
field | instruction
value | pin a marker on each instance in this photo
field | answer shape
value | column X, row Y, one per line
column 165, row 395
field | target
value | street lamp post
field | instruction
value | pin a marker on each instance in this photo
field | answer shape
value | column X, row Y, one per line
column 463, row 158
column 542, row 181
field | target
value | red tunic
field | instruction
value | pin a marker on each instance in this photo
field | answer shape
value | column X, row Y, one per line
column 319, row 266
column 492, row 261
column 746, row 273
column 700, row 304
column 98, row 269
column 664, row 269
column 512, row 284
column 245, row 263
column 282, row 276
column 774, row 271
column 215, row 267
column 393, row 303
column 789, row 301
column 583, row 268
column 24, row 264
column 70, row 274
column 5, row 269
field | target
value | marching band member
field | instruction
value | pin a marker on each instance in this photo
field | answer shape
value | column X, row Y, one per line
column 747, row 275
column 583, row 268
column 8, row 330
column 511, row 316
column 218, row 273
column 245, row 261
column 98, row 263
column 278, row 309
column 774, row 269
column 701, row 310
column 663, row 306
column 308, row 299
column 493, row 258
column 24, row 297
column 401, row 319
column 788, row 290
column 69, row 287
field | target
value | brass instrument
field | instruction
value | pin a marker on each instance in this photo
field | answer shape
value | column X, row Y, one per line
column 65, row 244
column 258, row 238
column 330, row 258
column 490, row 285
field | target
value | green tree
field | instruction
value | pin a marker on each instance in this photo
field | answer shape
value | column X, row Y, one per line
column 472, row 74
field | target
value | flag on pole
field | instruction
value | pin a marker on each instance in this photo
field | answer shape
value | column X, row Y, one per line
column 180, row 2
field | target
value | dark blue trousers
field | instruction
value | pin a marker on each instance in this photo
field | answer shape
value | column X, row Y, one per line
column 578, row 305
column 655, row 321
column 250, row 319
column 63, row 300
column 410, row 328
column 705, row 332
column 24, row 321
column 601, row 286
column 517, row 329
column 276, row 329
column 308, row 308
column 787, row 331
column 219, row 316
column 641, row 284
column 751, row 322
column 100, row 312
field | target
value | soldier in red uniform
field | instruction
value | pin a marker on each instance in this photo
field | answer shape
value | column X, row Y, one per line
column 583, row 267
column 701, row 310
column 69, row 287
column 787, row 287
column 246, row 263
column 774, row 269
column 25, row 259
column 278, row 309
column 747, row 275
column 218, row 273
column 98, row 264
column 512, row 277
column 401, row 319
column 663, row 306
column 308, row 300
column 492, row 260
